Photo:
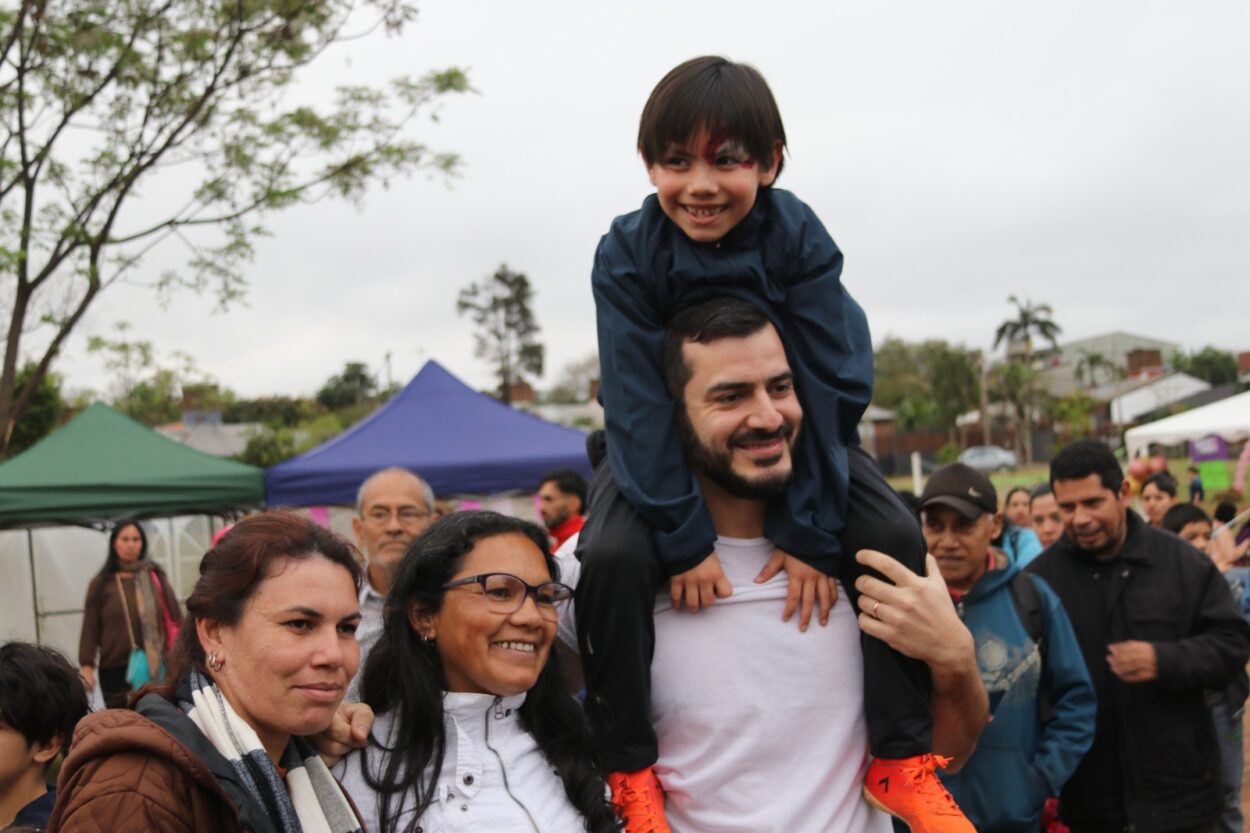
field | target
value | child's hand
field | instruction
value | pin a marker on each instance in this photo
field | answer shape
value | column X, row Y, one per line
column 700, row 585
column 807, row 587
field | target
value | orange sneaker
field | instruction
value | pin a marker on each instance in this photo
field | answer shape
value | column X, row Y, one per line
column 909, row 789
column 639, row 801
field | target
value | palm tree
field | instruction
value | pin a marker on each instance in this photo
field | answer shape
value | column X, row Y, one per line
column 1030, row 320
column 1091, row 362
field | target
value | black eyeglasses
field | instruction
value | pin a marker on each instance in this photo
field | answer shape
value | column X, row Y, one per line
column 505, row 593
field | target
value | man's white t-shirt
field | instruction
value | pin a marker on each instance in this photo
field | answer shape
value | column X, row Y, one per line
column 760, row 727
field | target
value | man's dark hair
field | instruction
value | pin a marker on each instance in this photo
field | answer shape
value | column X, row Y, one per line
column 1162, row 481
column 1082, row 458
column 1225, row 511
column 724, row 317
column 41, row 694
column 568, row 482
column 728, row 100
column 1182, row 515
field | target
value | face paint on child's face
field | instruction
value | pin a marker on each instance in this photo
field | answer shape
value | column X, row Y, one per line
column 718, row 151
column 708, row 184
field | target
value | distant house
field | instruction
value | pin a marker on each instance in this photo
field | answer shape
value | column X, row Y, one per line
column 1129, row 400
column 876, row 427
column 584, row 415
column 211, row 437
column 1131, row 356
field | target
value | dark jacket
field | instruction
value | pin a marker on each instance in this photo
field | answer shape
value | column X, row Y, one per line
column 1020, row 761
column 150, row 769
column 780, row 258
column 1154, row 764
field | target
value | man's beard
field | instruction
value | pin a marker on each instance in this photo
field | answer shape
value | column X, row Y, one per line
column 717, row 465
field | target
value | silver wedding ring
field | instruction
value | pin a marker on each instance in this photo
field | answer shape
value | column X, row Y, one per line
column 875, row 605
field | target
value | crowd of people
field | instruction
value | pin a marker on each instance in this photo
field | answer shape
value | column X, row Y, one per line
column 769, row 637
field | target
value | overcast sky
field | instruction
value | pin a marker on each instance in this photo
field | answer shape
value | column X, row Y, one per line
column 1093, row 156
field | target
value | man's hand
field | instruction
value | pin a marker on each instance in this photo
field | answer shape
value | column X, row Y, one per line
column 349, row 730
column 700, row 585
column 1133, row 661
column 807, row 586
column 915, row 616
column 88, row 677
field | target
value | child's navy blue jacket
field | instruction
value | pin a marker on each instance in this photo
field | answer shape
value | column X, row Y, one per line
column 781, row 258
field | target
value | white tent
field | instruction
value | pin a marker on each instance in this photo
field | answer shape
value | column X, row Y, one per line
column 1229, row 418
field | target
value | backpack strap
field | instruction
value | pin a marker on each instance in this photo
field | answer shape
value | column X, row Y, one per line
column 1028, row 602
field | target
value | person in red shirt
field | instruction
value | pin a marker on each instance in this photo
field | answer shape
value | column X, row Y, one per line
column 562, row 504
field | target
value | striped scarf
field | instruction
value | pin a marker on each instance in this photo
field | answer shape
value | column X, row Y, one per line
column 310, row 801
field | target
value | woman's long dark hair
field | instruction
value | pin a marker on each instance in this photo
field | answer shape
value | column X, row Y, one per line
column 403, row 675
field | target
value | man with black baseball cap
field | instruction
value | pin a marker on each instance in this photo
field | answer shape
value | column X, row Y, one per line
column 1027, row 752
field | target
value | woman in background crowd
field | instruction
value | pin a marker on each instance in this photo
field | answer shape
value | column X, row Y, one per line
column 1158, row 495
column 263, row 658
column 474, row 729
column 1017, row 539
column 125, row 610
column 1016, row 507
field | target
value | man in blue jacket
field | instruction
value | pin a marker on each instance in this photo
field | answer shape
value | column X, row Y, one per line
column 1041, row 698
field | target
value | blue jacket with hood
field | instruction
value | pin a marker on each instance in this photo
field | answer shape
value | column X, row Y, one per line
column 1019, row 762
column 779, row 257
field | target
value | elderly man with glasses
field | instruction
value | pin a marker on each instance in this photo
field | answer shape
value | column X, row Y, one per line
column 393, row 507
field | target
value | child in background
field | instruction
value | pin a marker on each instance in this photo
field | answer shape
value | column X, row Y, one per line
column 713, row 143
column 42, row 698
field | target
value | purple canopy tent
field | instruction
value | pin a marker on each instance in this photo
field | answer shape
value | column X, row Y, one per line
column 459, row 440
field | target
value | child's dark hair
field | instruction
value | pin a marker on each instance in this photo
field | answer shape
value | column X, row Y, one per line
column 717, row 95
column 1182, row 515
column 1163, row 481
column 41, row 694
column 1225, row 511
column 1082, row 458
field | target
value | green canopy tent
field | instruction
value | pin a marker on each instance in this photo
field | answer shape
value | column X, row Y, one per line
column 102, row 465
column 99, row 467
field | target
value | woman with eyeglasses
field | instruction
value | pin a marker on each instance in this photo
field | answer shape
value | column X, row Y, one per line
column 474, row 729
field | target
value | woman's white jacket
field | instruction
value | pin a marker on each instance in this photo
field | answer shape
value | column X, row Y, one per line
column 494, row 776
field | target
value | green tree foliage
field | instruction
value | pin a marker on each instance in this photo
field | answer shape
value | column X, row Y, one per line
column 952, row 377
column 284, row 411
column 895, row 372
column 1218, row 367
column 143, row 389
column 507, row 333
column 1074, row 415
column 928, row 384
column 354, row 386
column 102, row 100
column 269, row 446
column 43, row 414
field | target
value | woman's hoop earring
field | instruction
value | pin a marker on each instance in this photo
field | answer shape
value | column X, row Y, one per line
column 213, row 662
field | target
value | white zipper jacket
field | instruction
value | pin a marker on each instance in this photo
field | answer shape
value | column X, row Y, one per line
column 495, row 779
